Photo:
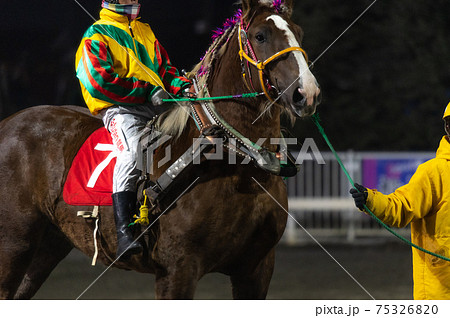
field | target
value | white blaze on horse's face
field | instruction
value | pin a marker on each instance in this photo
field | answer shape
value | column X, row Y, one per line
column 307, row 85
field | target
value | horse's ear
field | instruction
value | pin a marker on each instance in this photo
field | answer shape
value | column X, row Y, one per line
column 285, row 7
column 282, row 6
column 289, row 7
column 248, row 6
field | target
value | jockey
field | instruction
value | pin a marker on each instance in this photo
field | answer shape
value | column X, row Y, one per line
column 123, row 71
column 425, row 204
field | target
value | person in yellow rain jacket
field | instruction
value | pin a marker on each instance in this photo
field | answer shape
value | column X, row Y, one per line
column 124, row 72
column 425, row 204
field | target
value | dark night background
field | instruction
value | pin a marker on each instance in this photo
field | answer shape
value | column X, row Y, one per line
column 385, row 82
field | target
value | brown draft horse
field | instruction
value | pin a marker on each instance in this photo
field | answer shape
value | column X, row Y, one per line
column 225, row 223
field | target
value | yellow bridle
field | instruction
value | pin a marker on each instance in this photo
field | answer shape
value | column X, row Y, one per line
column 262, row 65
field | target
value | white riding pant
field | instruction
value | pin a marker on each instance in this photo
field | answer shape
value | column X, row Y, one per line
column 125, row 124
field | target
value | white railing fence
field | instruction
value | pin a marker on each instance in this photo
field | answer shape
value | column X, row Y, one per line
column 320, row 202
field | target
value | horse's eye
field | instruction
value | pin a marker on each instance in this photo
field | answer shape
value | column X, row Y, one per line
column 260, row 37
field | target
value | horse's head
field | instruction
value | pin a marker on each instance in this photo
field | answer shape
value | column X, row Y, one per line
column 272, row 43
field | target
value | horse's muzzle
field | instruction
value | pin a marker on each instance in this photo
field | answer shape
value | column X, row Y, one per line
column 304, row 102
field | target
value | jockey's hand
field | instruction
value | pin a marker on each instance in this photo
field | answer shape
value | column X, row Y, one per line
column 359, row 195
column 157, row 98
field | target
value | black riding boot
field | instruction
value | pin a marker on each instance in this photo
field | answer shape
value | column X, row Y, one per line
column 124, row 204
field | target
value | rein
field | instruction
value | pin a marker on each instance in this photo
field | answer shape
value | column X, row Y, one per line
column 316, row 121
column 200, row 99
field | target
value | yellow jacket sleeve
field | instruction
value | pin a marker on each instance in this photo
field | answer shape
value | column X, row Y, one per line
column 410, row 202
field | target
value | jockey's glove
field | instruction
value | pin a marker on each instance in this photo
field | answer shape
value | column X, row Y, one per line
column 359, row 195
column 157, row 97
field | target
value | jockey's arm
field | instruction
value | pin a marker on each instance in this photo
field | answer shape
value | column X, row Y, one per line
column 96, row 72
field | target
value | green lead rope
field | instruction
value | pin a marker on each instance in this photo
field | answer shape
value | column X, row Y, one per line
column 195, row 99
column 316, row 121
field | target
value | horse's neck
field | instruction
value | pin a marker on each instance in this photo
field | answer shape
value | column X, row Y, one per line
column 245, row 115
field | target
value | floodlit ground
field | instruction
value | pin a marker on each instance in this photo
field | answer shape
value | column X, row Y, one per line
column 382, row 270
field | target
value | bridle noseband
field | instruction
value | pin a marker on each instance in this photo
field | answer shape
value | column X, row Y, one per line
column 257, row 63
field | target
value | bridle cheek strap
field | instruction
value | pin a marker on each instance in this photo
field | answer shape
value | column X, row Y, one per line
column 262, row 65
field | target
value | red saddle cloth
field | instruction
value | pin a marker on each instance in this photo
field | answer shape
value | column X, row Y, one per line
column 89, row 181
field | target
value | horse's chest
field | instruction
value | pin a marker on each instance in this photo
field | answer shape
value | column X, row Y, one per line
column 253, row 205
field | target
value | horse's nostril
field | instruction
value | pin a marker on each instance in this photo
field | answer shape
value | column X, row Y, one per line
column 298, row 97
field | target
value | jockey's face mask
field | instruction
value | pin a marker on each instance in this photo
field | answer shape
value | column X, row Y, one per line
column 123, row 1
column 126, row 7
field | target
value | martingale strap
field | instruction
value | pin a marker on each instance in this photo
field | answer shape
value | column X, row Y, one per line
column 272, row 162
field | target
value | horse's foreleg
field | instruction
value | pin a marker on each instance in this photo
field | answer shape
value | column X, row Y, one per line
column 18, row 243
column 13, row 264
column 52, row 249
column 254, row 285
column 177, row 282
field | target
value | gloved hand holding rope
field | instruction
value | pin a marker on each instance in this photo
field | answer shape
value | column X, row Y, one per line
column 359, row 194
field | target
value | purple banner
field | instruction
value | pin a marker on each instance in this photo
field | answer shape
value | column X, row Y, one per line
column 386, row 175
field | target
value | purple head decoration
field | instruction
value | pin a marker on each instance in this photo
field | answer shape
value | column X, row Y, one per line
column 278, row 5
column 229, row 23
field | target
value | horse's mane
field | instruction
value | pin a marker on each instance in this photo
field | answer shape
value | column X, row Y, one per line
column 173, row 121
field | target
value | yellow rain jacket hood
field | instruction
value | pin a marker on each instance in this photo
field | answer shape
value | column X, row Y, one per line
column 425, row 204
